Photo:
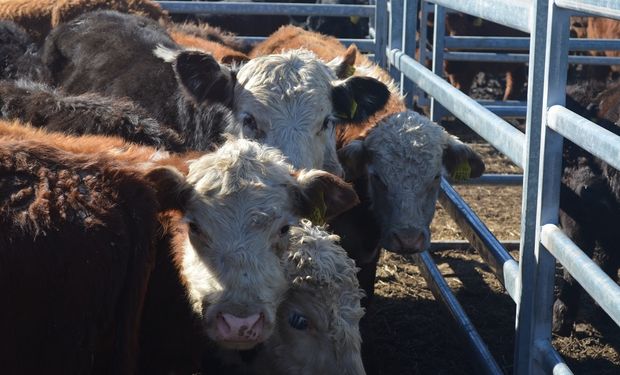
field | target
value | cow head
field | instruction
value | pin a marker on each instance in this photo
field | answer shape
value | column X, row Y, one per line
column 318, row 321
column 239, row 203
column 404, row 157
column 293, row 100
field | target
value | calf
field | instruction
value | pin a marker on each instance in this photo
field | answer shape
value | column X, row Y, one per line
column 395, row 150
column 589, row 201
column 221, row 52
column 38, row 17
column 318, row 322
column 217, row 267
column 18, row 55
column 290, row 101
column 42, row 106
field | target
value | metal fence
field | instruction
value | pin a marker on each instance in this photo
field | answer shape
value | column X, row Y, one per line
column 538, row 151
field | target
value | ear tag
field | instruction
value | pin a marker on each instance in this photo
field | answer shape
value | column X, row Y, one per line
column 478, row 22
column 354, row 19
column 349, row 71
column 353, row 108
column 461, row 172
column 317, row 217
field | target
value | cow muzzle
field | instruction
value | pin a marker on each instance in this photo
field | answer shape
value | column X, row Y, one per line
column 240, row 332
column 406, row 240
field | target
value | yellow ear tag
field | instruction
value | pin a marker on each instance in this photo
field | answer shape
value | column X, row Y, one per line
column 461, row 172
column 353, row 108
column 349, row 71
column 317, row 217
column 354, row 19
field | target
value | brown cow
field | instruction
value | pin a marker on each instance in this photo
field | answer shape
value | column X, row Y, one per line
column 220, row 52
column 394, row 160
column 234, row 209
column 598, row 28
column 38, row 17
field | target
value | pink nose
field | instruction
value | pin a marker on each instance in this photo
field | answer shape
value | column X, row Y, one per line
column 233, row 328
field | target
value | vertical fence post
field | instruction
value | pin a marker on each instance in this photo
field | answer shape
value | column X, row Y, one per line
column 396, row 35
column 381, row 25
column 439, row 32
column 410, row 22
column 541, row 190
column 422, row 44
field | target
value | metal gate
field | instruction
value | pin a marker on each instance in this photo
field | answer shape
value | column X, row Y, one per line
column 538, row 151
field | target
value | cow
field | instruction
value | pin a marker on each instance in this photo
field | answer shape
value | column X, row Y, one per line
column 221, row 52
column 461, row 73
column 601, row 28
column 219, row 263
column 41, row 106
column 589, row 198
column 392, row 148
column 38, row 17
column 291, row 101
column 19, row 55
column 318, row 321
column 213, row 34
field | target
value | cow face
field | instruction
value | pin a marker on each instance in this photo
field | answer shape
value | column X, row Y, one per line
column 404, row 157
column 293, row 100
column 318, row 322
column 239, row 203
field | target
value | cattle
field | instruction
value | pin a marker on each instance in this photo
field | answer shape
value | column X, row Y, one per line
column 41, row 106
column 393, row 159
column 598, row 28
column 212, row 34
column 461, row 73
column 589, row 199
column 318, row 321
column 38, row 17
column 262, row 25
column 221, row 52
column 18, row 55
column 219, row 262
column 290, row 101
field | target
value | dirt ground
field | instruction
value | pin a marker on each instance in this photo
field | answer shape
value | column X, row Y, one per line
column 407, row 332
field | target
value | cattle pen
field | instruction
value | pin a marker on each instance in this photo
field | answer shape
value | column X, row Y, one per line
column 530, row 280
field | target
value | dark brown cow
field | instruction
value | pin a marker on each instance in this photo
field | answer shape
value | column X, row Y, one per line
column 38, row 17
column 394, row 160
column 18, row 55
column 217, row 274
column 44, row 107
column 589, row 197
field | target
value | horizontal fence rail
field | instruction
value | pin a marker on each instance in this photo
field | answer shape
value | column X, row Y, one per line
column 511, row 13
column 491, row 127
column 287, row 9
column 604, row 290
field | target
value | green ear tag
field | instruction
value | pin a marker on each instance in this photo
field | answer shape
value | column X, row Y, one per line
column 461, row 172
column 353, row 108
column 354, row 19
column 317, row 217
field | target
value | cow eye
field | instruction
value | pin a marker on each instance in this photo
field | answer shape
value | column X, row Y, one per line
column 193, row 227
column 248, row 121
column 327, row 124
column 298, row 321
column 284, row 229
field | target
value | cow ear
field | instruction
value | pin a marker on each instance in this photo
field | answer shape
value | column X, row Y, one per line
column 344, row 66
column 358, row 98
column 323, row 196
column 172, row 191
column 461, row 161
column 203, row 78
column 353, row 158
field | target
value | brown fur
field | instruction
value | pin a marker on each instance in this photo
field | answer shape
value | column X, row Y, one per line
column 76, row 236
column 38, row 17
column 213, row 34
column 329, row 48
column 220, row 52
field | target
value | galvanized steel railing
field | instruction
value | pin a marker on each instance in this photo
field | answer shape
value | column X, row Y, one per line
column 539, row 151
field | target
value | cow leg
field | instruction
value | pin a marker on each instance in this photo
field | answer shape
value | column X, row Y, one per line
column 567, row 303
column 366, row 277
column 515, row 79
